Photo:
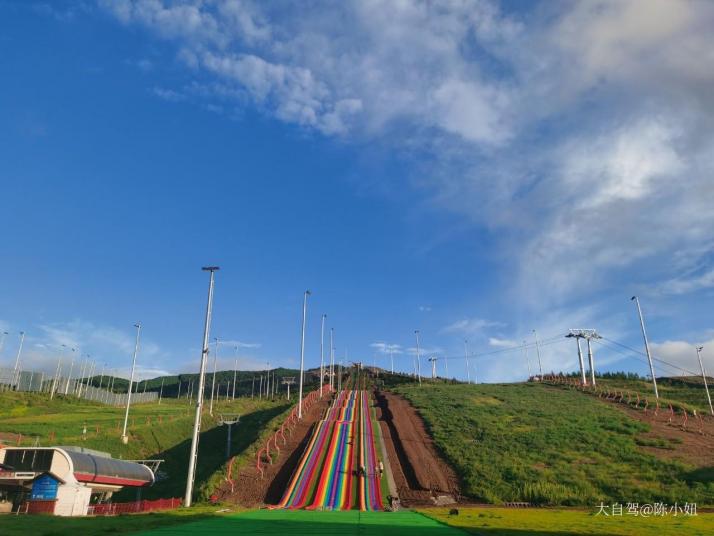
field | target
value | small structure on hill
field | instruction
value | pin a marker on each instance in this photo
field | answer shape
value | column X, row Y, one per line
column 64, row 480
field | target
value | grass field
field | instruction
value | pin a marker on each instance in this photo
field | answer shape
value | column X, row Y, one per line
column 428, row 522
column 156, row 430
column 532, row 443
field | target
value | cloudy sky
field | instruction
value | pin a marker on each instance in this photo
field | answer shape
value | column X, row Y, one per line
column 471, row 169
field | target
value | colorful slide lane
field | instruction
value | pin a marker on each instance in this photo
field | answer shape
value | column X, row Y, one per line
column 370, row 490
column 326, row 474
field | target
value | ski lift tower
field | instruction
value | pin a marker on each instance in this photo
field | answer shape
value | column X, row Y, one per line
column 433, row 361
column 229, row 419
column 588, row 335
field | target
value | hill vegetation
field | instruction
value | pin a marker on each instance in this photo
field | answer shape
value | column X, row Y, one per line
column 157, row 431
column 532, row 443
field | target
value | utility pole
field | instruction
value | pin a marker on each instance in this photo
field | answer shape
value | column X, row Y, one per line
column 56, row 379
column 446, row 366
column 2, row 340
column 466, row 355
column 213, row 380
column 289, row 381
column 332, row 359
column 433, row 367
column 161, row 390
column 252, row 387
column 704, row 377
column 69, row 377
column 647, row 344
column 235, row 374
column 188, row 497
column 540, row 364
column 575, row 334
column 16, row 373
column 322, row 352
column 591, row 360
column 302, row 351
column 124, row 437
column 418, row 356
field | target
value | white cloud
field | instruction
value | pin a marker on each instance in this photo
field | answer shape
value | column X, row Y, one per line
column 425, row 308
column 168, row 94
column 683, row 356
column 579, row 134
column 387, row 349
column 502, row 343
column 471, row 326
column 689, row 283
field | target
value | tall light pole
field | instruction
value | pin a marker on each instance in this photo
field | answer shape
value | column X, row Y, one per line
column 235, row 373
column 213, row 379
column 322, row 352
column 16, row 373
column 332, row 359
column 528, row 361
column 302, row 350
column 647, row 344
column 188, row 497
column 537, row 345
column 418, row 356
column 124, row 437
column 466, row 355
column 69, row 376
column 704, row 377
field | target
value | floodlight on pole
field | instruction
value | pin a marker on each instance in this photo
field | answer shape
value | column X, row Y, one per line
column 704, row 377
column 188, row 496
column 302, row 351
column 647, row 344
column 2, row 340
column 124, row 437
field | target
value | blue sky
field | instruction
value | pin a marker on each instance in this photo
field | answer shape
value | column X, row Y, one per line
column 473, row 171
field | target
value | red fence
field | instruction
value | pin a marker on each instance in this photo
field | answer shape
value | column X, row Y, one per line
column 112, row 509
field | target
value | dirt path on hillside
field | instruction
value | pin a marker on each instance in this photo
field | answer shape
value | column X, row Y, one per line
column 419, row 472
column 250, row 489
column 693, row 444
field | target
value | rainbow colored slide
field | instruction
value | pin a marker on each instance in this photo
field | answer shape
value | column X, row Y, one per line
column 326, row 476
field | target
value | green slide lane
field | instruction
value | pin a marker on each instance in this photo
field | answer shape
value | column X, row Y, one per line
column 309, row 523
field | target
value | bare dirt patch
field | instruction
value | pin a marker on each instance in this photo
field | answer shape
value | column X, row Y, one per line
column 419, row 472
column 691, row 444
column 250, row 489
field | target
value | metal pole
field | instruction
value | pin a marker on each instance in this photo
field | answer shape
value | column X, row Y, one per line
column 260, row 388
column 235, row 374
column 418, row 356
column 69, row 377
column 704, row 377
column 332, row 359
column 583, row 379
column 124, row 437
column 322, row 352
column 213, row 379
column 54, row 383
column 2, row 340
column 16, row 379
column 267, row 381
column 466, row 355
column 228, row 442
column 540, row 364
column 528, row 361
column 161, row 390
column 252, row 387
column 188, row 497
column 647, row 345
column 592, row 362
column 302, row 351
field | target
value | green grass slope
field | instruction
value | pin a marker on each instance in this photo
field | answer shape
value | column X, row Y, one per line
column 529, row 442
column 157, row 431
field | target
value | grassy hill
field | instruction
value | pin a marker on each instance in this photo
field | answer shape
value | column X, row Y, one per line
column 533, row 443
column 156, row 430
